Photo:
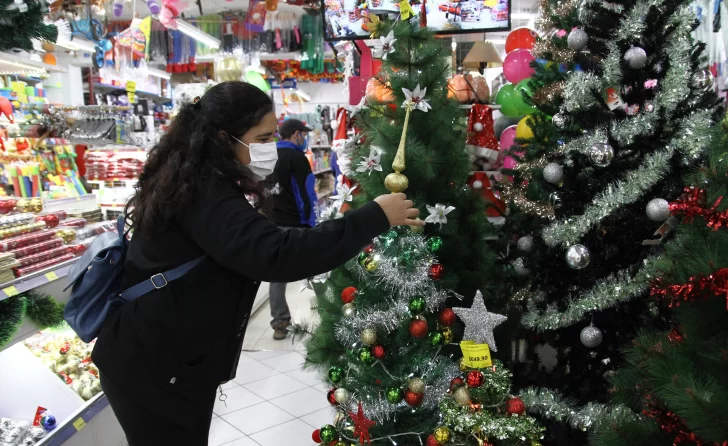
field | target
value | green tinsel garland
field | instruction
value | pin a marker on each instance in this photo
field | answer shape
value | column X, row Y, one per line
column 42, row 309
column 11, row 315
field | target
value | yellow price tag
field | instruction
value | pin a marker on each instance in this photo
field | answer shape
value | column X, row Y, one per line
column 51, row 276
column 130, row 86
column 11, row 291
column 475, row 355
column 79, row 424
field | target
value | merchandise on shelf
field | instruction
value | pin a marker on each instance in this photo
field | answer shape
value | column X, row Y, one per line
column 116, row 164
column 19, row 433
column 70, row 358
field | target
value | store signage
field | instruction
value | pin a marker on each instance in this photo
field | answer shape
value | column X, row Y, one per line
column 131, row 91
column 286, row 83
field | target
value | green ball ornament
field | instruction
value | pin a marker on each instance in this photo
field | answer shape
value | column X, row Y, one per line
column 417, row 305
column 409, row 258
column 434, row 244
column 389, row 237
column 395, row 395
column 328, row 434
column 336, row 374
column 435, row 338
column 365, row 355
column 363, row 256
column 509, row 100
column 522, row 90
column 402, row 229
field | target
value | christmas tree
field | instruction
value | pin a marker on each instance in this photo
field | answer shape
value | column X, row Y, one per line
column 623, row 110
column 22, row 23
column 386, row 339
column 676, row 380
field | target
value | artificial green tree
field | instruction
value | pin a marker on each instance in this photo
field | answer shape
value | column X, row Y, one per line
column 21, row 24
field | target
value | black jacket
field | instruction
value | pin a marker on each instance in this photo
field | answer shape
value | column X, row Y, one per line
column 171, row 348
column 295, row 200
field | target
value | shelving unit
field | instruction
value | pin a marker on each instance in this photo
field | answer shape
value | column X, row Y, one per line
column 103, row 88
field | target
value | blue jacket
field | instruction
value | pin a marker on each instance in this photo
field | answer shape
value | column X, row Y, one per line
column 295, row 203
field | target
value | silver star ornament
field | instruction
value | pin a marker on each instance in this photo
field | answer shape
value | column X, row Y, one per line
column 479, row 324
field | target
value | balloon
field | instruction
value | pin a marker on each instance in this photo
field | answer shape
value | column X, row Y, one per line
column 501, row 124
column 508, row 100
column 523, row 90
column 517, row 65
column 523, row 130
column 508, row 138
column 520, row 38
column 255, row 78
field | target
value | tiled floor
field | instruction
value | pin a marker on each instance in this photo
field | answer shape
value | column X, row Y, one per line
column 272, row 401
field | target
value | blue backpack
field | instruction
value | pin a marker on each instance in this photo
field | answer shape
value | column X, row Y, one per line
column 96, row 281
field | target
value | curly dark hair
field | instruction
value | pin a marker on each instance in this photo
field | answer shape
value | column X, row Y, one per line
column 193, row 152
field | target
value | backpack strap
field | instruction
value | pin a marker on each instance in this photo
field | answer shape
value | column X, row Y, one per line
column 159, row 281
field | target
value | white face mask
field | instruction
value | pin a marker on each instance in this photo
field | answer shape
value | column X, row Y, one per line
column 263, row 157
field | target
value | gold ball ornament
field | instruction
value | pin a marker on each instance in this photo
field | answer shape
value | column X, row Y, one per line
column 416, row 385
column 228, row 69
column 535, row 443
column 396, row 182
column 23, row 205
column 68, row 235
column 369, row 336
column 442, row 434
column 462, row 396
column 447, row 335
column 417, row 229
column 36, row 205
column 371, row 264
column 462, row 365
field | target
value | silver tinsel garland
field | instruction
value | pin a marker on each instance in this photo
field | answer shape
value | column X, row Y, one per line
column 579, row 91
column 552, row 405
column 607, row 293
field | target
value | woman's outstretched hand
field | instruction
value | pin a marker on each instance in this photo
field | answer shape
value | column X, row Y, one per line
column 399, row 210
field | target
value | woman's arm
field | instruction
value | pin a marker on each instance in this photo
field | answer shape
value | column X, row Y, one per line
column 229, row 230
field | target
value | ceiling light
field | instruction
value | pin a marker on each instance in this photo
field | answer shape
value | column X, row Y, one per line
column 522, row 15
column 158, row 73
column 78, row 44
column 195, row 33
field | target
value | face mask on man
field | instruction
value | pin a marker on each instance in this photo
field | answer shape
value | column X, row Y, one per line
column 263, row 157
column 304, row 144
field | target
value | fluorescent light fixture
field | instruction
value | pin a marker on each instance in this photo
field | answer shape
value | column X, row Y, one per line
column 22, row 65
column 158, row 73
column 78, row 45
column 522, row 15
column 195, row 33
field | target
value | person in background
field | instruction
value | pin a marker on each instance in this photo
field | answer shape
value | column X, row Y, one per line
column 294, row 205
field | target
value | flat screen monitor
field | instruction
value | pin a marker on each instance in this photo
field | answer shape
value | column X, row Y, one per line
column 346, row 19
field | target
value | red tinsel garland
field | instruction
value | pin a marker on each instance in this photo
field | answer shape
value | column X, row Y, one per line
column 693, row 204
column 696, row 287
column 671, row 423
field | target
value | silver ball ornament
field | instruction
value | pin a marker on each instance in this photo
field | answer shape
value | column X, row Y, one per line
column 591, row 336
column 525, row 243
column 416, row 385
column 349, row 310
column 341, row 395
column 703, row 79
column 649, row 106
column 636, row 57
column 559, row 120
column 369, row 336
column 462, row 396
column 658, row 209
column 577, row 40
column 578, row 257
column 519, row 265
column 553, row 173
column 601, row 155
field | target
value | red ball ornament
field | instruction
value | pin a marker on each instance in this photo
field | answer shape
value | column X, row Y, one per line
column 332, row 399
column 418, row 328
column 446, row 316
column 455, row 383
column 369, row 249
column 348, row 295
column 515, row 406
column 413, row 399
column 475, row 378
column 378, row 351
column 436, row 271
column 316, row 436
column 432, row 442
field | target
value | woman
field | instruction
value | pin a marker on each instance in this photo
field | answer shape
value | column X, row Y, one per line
column 163, row 356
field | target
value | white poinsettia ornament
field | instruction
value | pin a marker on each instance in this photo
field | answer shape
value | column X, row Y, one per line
column 386, row 44
column 344, row 193
column 371, row 163
column 438, row 213
column 416, row 99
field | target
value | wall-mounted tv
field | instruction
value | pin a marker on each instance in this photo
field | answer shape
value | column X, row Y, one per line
column 346, row 19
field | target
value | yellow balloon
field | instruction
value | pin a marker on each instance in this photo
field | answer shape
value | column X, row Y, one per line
column 523, row 130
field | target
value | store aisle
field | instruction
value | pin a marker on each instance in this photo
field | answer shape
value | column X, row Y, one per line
column 272, row 401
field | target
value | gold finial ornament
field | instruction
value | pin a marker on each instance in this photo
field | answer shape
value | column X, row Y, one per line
column 396, row 182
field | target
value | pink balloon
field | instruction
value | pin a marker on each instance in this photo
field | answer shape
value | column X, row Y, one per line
column 507, row 138
column 517, row 65
column 509, row 162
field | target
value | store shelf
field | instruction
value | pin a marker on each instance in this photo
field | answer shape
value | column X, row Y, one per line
column 10, row 61
column 492, row 106
column 76, row 422
column 101, row 88
column 319, row 172
column 31, row 281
